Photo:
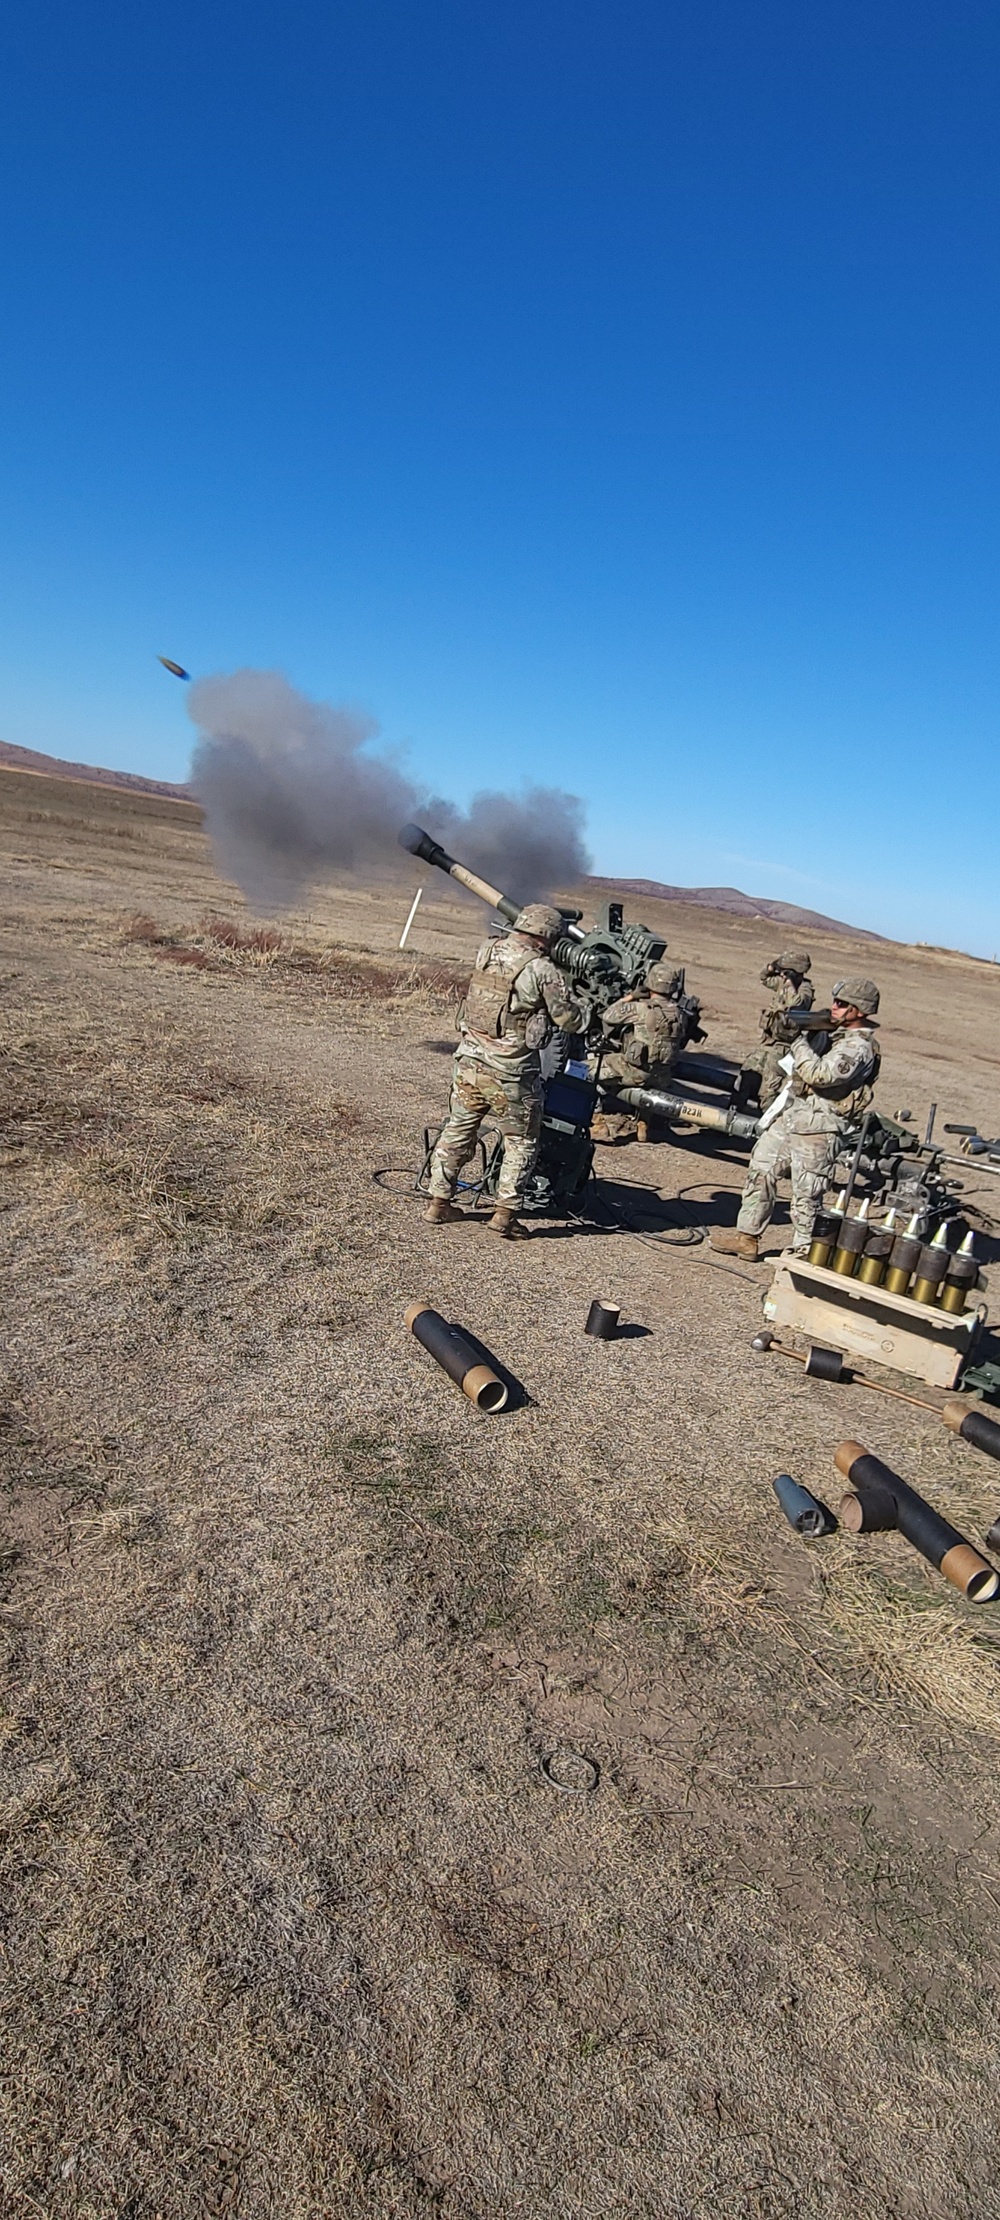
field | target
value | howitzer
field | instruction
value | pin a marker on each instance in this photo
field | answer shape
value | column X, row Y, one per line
column 606, row 962
column 609, row 961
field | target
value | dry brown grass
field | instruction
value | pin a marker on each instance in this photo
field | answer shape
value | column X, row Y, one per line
column 217, row 942
column 293, row 1925
column 159, row 1142
column 934, row 1655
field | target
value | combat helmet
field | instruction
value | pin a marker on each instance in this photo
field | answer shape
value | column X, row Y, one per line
column 541, row 921
column 794, row 959
column 862, row 994
column 660, row 978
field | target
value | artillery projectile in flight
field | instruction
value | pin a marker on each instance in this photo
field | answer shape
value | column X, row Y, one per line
column 177, row 669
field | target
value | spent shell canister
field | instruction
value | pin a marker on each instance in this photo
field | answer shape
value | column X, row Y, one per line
column 850, row 1244
column 930, row 1268
column 602, row 1320
column 882, row 1499
column 904, row 1258
column 878, row 1250
column 961, row 1276
column 825, row 1234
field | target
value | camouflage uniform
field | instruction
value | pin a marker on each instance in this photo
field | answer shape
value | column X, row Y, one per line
column 652, row 1031
column 830, row 1094
column 790, row 990
column 516, row 997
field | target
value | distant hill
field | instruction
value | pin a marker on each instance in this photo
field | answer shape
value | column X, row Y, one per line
column 739, row 905
column 710, row 897
column 53, row 767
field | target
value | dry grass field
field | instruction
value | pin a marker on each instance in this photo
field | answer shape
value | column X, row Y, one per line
column 292, row 1921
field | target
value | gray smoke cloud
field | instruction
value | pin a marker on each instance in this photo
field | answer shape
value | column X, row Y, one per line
column 291, row 794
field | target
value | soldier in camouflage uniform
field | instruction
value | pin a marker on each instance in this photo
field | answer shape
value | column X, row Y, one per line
column 828, row 1094
column 785, row 978
column 646, row 1031
column 516, row 998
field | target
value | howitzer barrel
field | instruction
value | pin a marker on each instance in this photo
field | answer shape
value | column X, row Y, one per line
column 419, row 843
column 652, row 1102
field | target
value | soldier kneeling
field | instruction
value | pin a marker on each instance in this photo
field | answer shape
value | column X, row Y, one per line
column 645, row 1031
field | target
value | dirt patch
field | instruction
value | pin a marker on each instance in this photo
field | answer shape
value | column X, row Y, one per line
column 406, row 1813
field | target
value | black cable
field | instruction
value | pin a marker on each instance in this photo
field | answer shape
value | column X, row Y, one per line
column 417, row 1193
column 694, row 1184
column 695, row 1234
column 400, row 1171
column 685, row 1237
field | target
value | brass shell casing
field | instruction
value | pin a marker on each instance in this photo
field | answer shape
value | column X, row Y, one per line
column 896, row 1280
column 872, row 1269
column 819, row 1252
column 925, row 1291
column 844, row 1261
column 953, row 1296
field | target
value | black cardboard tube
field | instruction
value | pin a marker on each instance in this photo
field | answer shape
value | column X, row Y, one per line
column 824, row 1364
column 886, row 1500
column 869, row 1510
column 602, row 1320
column 974, row 1427
column 457, row 1357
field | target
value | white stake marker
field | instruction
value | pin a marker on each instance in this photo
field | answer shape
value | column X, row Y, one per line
column 413, row 911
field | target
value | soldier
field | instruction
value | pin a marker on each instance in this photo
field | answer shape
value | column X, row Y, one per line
column 516, row 998
column 827, row 1096
column 785, row 976
column 646, row 1030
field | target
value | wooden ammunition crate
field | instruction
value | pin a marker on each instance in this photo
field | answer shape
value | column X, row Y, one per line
column 862, row 1321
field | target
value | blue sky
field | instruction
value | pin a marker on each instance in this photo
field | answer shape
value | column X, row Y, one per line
column 603, row 392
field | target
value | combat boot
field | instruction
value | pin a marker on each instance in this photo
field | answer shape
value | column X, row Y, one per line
column 736, row 1244
column 442, row 1212
column 507, row 1224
